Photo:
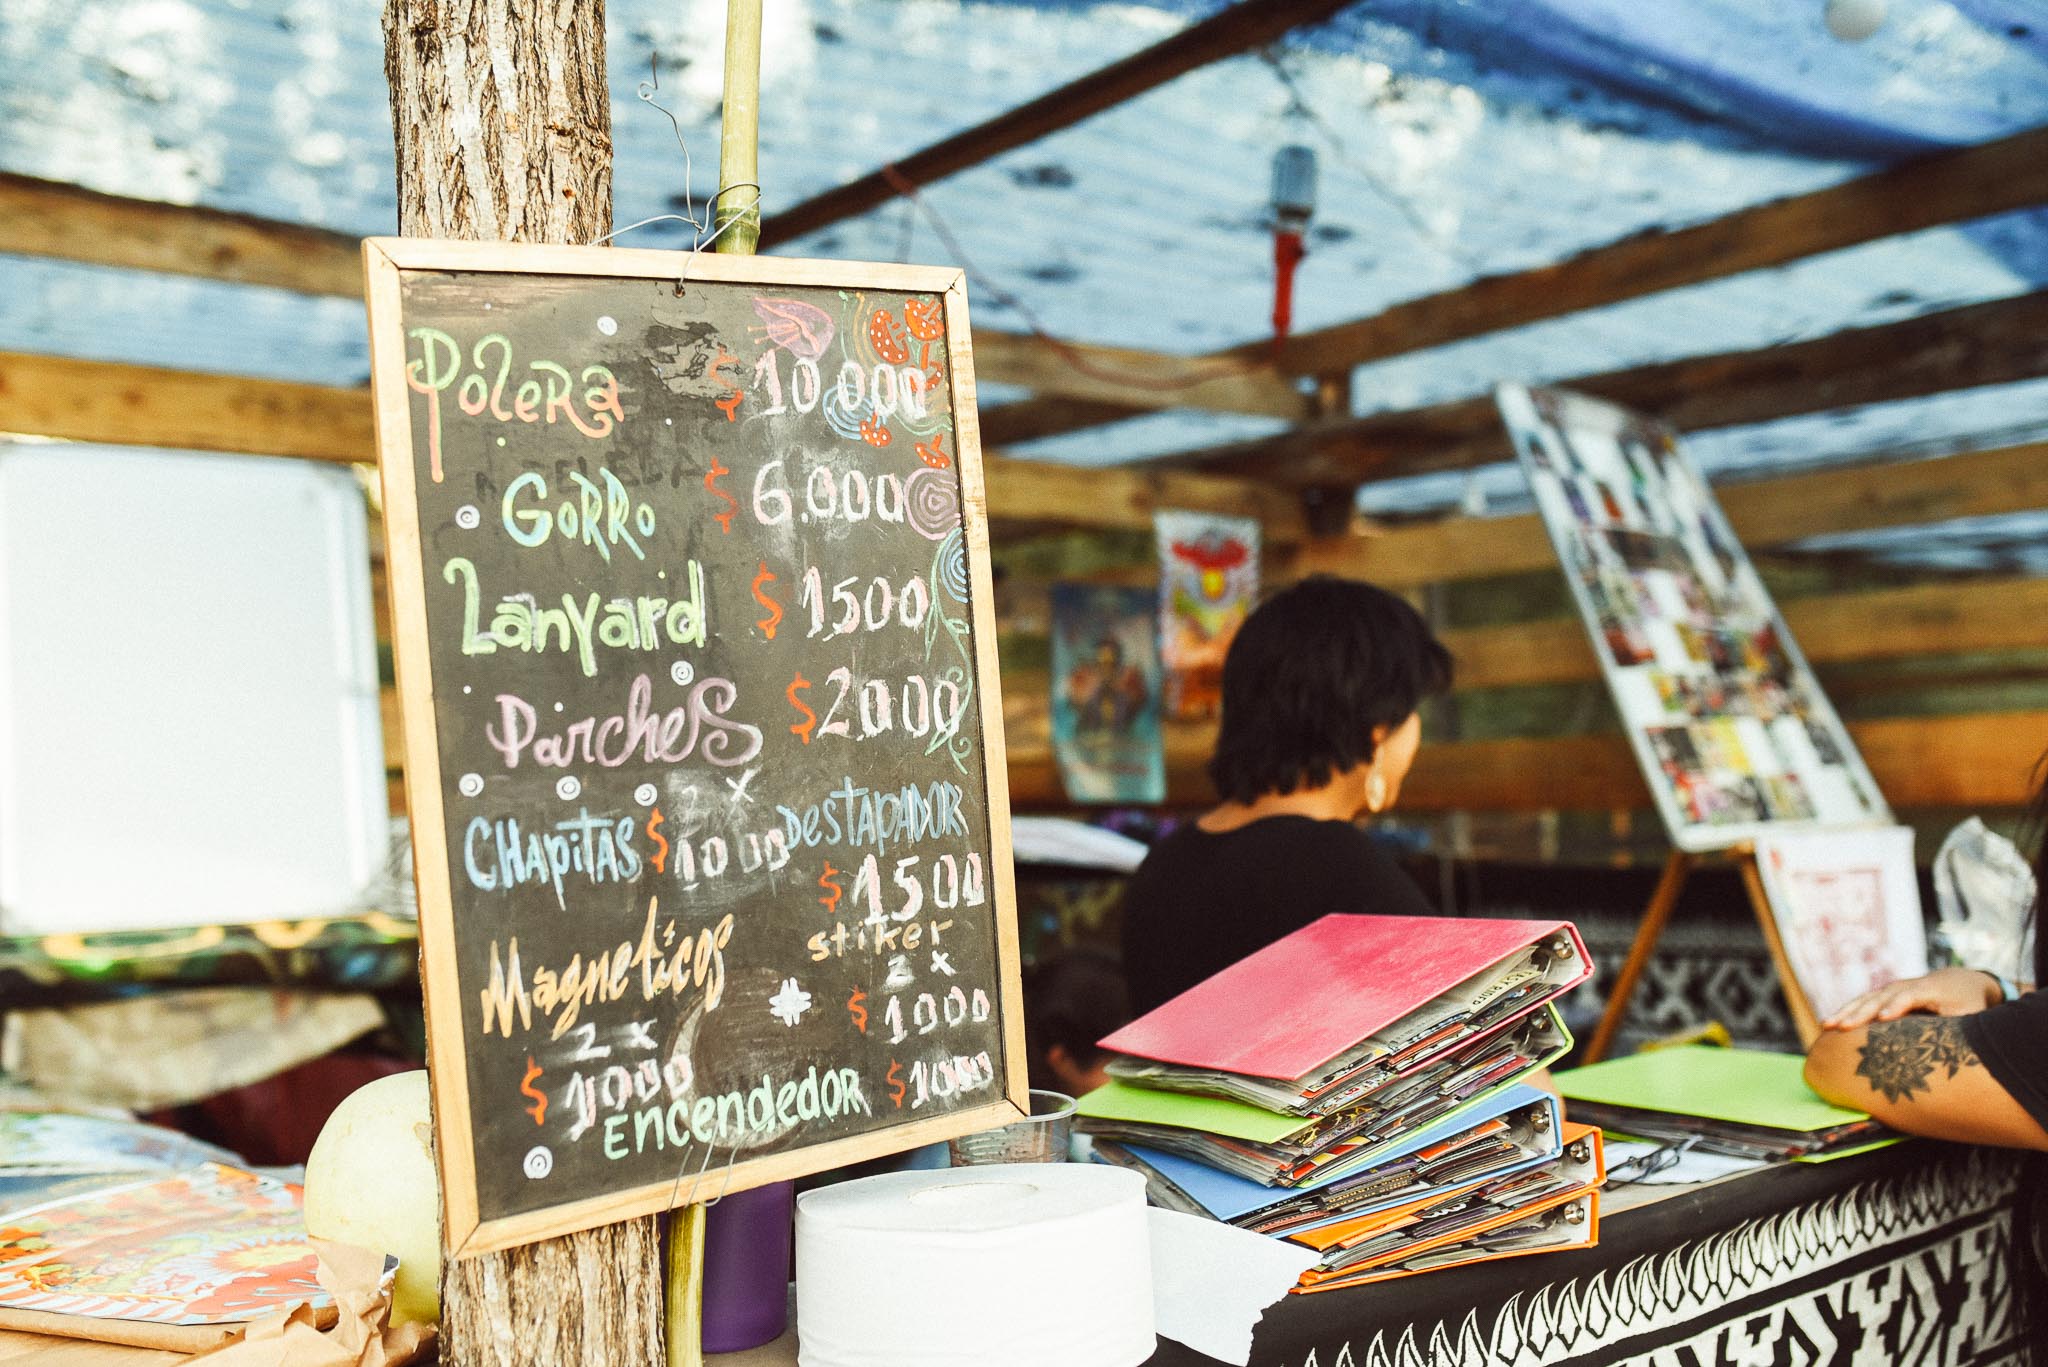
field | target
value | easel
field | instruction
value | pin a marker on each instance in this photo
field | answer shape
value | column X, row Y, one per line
column 1678, row 869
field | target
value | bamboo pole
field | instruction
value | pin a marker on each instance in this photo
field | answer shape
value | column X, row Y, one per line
column 739, row 174
column 736, row 231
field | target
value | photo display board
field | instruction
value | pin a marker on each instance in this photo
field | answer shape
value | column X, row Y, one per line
column 696, row 662
column 1732, row 731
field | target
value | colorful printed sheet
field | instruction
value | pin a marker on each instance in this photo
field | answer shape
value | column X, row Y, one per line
column 1732, row 730
column 1208, row 580
column 211, row 1245
column 1105, row 694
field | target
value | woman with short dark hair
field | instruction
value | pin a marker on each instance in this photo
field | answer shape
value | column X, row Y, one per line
column 1320, row 725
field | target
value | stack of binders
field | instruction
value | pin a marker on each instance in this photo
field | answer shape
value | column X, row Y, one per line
column 1355, row 1087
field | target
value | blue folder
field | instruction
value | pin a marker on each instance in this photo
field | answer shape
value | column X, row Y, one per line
column 1229, row 1197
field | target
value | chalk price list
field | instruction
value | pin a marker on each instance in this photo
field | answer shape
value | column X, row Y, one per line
column 698, row 607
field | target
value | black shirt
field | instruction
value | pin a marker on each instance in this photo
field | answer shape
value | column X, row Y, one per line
column 2012, row 1039
column 1201, row 902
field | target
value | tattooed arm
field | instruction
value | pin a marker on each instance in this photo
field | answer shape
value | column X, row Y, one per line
column 1919, row 1075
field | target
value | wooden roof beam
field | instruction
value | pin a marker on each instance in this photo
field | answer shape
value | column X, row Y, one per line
column 43, row 218
column 1764, row 513
column 67, row 223
column 1927, row 192
column 1241, row 27
column 1999, row 342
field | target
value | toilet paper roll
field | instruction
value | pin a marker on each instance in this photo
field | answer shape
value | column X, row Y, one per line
column 1010, row 1265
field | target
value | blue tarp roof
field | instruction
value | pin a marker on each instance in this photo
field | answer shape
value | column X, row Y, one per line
column 1456, row 138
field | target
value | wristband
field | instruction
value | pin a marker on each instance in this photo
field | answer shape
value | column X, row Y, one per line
column 2008, row 989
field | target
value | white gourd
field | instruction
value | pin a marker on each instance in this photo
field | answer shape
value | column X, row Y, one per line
column 370, row 1181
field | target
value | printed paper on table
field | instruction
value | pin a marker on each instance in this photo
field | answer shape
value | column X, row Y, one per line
column 1847, row 904
column 211, row 1245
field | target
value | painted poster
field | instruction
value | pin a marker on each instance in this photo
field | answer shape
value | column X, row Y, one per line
column 1105, row 694
column 1847, row 904
column 211, row 1245
column 1208, row 581
column 1732, row 730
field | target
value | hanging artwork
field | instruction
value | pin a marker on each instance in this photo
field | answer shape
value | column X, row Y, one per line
column 1105, row 694
column 1208, row 580
column 1728, row 722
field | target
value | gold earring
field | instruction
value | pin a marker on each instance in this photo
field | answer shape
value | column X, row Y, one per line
column 1376, row 791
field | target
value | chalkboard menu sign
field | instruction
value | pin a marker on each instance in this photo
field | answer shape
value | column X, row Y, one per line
column 696, row 661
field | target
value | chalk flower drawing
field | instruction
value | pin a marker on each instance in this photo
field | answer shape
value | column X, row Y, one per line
column 789, row 1004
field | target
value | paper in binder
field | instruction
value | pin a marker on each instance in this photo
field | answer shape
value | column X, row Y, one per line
column 1289, row 1149
column 1515, row 1128
column 1549, row 1207
column 1741, row 1102
column 1354, row 1011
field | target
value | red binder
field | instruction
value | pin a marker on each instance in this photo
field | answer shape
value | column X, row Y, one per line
column 1304, row 1000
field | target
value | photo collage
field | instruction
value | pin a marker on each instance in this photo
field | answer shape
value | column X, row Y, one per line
column 1733, row 731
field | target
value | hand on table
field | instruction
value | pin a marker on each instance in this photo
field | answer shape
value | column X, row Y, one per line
column 1944, row 992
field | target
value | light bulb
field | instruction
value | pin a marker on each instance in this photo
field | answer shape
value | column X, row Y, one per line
column 1294, row 185
column 1854, row 20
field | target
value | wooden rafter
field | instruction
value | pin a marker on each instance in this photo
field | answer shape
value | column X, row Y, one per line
column 1240, row 27
column 1982, row 344
column 1927, row 192
column 42, row 218
column 1227, row 386
column 48, row 219
column 1764, row 513
column 1946, row 187
column 132, row 405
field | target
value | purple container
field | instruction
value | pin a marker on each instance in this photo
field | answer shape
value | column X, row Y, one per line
column 746, row 1267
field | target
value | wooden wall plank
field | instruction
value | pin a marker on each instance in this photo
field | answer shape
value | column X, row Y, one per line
column 145, row 406
column 1124, row 497
column 1884, row 624
column 1983, row 760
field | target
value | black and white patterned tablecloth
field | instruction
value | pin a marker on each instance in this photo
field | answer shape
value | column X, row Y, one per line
column 1899, row 1258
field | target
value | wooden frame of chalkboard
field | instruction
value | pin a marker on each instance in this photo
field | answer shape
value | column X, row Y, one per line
column 682, row 931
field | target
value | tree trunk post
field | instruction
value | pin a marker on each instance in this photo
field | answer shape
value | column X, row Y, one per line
column 502, row 117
